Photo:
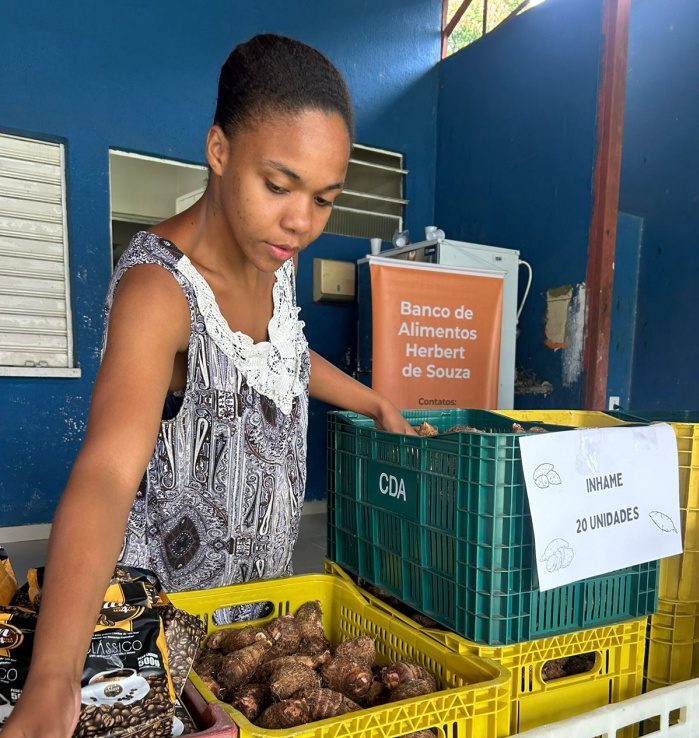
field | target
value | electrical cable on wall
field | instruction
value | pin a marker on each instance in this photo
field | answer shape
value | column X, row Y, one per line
column 528, row 287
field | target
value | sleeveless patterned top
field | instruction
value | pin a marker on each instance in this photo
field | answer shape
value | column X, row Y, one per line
column 222, row 494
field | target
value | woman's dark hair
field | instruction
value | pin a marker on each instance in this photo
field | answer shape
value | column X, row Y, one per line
column 276, row 74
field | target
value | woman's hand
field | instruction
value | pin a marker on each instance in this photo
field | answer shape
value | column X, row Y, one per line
column 48, row 708
column 389, row 418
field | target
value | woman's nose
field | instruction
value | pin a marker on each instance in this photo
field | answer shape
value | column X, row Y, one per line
column 298, row 216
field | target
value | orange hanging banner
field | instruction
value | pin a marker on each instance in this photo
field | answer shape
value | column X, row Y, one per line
column 436, row 335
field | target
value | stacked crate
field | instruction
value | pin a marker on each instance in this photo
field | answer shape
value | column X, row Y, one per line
column 673, row 636
column 462, row 553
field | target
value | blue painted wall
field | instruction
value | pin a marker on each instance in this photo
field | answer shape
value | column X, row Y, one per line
column 660, row 183
column 515, row 156
column 142, row 77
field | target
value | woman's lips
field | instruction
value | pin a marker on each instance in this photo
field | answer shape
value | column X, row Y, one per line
column 281, row 253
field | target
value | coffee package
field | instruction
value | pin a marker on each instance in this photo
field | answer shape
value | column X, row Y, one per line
column 29, row 594
column 137, row 664
column 126, row 690
column 146, row 577
column 17, row 628
column 8, row 581
column 183, row 632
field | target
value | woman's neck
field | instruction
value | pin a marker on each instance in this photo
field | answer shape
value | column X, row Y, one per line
column 203, row 234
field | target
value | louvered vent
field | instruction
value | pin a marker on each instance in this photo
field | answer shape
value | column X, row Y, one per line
column 372, row 202
column 35, row 320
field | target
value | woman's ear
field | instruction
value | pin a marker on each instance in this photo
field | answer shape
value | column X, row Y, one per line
column 217, row 149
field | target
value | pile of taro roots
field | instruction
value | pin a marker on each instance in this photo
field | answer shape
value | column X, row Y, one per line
column 288, row 674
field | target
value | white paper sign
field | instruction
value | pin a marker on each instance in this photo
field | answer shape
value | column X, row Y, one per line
column 601, row 499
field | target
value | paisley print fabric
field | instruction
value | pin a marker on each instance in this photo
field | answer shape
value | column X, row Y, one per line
column 221, row 498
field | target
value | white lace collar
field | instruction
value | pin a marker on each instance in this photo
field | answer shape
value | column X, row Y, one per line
column 273, row 367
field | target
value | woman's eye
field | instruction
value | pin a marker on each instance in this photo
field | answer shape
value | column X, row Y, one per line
column 274, row 188
column 323, row 203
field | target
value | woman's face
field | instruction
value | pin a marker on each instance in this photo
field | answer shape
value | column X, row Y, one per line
column 278, row 180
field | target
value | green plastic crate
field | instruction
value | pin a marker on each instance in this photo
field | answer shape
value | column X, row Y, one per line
column 458, row 545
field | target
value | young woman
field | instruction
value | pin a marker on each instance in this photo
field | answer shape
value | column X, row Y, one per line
column 205, row 375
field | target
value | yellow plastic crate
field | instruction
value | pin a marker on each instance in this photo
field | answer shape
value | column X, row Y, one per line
column 679, row 575
column 673, row 644
column 474, row 700
column 573, row 418
column 617, row 673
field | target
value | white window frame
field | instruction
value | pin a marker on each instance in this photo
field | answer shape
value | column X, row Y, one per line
column 70, row 371
column 146, row 211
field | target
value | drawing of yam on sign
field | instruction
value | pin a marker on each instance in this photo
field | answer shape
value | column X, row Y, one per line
column 545, row 476
column 664, row 522
column 557, row 555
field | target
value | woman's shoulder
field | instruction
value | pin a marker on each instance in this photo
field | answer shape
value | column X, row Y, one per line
column 149, row 296
column 149, row 263
column 146, row 247
column 143, row 278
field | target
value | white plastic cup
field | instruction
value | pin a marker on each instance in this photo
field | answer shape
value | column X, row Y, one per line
column 375, row 246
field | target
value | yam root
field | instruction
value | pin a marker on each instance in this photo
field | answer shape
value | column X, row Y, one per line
column 315, row 645
column 238, row 667
column 567, row 666
column 554, row 669
column 285, row 636
column 403, row 671
column 463, row 429
column 292, row 678
column 517, row 428
column 361, row 649
column 309, row 618
column 412, row 688
column 267, row 668
column 580, row 663
column 325, row 703
column 286, row 714
column 219, row 692
column 228, row 640
column 318, row 657
column 429, row 733
column 425, row 429
column 251, row 700
column 349, row 677
column 376, row 695
column 208, row 663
